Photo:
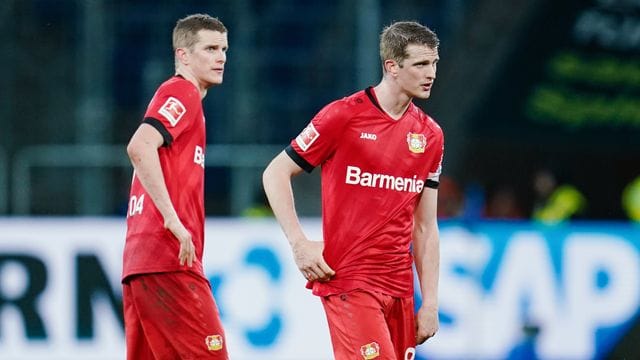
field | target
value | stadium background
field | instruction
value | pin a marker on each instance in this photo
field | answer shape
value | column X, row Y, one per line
column 525, row 89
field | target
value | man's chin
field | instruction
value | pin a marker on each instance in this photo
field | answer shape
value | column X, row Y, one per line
column 214, row 82
column 424, row 95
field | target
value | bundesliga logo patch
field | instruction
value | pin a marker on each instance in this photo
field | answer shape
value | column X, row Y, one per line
column 214, row 342
column 172, row 110
column 370, row 351
column 307, row 137
column 417, row 142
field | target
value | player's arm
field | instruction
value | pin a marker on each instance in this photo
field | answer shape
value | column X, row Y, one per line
column 277, row 185
column 143, row 152
column 426, row 252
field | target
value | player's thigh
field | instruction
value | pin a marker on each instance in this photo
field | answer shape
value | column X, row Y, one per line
column 357, row 326
column 179, row 316
column 402, row 327
column 136, row 342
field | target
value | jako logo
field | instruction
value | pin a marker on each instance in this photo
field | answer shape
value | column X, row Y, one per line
column 368, row 136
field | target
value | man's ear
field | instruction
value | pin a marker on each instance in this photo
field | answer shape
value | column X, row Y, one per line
column 182, row 56
column 391, row 67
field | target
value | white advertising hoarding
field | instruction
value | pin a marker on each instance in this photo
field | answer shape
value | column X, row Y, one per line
column 578, row 284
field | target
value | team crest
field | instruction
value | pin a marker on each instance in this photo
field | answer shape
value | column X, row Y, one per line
column 370, row 351
column 172, row 110
column 417, row 142
column 214, row 342
column 307, row 137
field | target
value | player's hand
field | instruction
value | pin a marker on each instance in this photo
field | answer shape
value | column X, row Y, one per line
column 308, row 257
column 187, row 250
column 427, row 323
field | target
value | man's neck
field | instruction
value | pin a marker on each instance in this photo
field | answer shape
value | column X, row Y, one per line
column 192, row 79
column 393, row 101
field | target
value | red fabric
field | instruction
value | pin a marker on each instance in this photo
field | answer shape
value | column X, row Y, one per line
column 368, row 325
column 172, row 316
column 373, row 171
column 149, row 246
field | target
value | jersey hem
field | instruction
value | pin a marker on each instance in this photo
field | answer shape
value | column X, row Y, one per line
column 322, row 290
column 126, row 276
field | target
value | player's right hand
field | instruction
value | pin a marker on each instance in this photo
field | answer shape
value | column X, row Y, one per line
column 187, row 251
column 308, row 257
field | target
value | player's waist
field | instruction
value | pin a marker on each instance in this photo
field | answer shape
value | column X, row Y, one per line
column 398, row 286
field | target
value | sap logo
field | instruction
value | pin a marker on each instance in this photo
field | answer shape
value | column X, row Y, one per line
column 368, row 136
column 570, row 282
column 198, row 156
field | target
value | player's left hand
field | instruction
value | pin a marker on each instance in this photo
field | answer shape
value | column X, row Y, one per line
column 187, row 253
column 427, row 323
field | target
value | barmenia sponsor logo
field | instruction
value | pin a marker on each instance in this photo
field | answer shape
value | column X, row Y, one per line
column 355, row 176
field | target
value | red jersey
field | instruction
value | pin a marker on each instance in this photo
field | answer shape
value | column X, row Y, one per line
column 176, row 112
column 373, row 171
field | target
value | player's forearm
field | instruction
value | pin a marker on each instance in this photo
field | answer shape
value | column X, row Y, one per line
column 277, row 187
column 427, row 260
column 146, row 164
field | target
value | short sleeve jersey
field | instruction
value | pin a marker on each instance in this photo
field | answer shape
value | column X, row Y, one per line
column 176, row 112
column 373, row 171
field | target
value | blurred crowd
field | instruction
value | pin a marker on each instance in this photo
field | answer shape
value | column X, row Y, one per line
column 546, row 199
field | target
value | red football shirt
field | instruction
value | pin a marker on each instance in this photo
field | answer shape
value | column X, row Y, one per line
column 373, row 171
column 176, row 112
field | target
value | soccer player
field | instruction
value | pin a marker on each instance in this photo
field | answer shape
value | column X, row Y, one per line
column 169, row 309
column 381, row 160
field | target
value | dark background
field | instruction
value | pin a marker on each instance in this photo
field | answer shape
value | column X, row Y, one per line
column 522, row 86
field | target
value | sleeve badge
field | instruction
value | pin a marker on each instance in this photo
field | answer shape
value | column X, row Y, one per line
column 307, row 137
column 172, row 110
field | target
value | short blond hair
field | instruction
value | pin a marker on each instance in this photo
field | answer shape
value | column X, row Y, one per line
column 185, row 33
column 395, row 38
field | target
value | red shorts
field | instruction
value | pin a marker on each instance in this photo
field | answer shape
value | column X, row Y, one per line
column 171, row 316
column 369, row 325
